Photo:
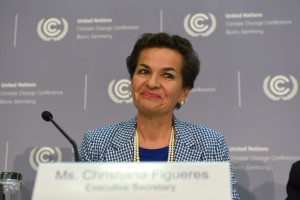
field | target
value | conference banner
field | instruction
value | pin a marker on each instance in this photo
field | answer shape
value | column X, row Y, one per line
column 68, row 57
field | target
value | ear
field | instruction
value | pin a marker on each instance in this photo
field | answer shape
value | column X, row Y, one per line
column 185, row 94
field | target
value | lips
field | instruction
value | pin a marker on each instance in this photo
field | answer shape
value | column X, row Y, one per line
column 151, row 95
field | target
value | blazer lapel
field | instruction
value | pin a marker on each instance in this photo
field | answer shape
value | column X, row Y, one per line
column 121, row 149
column 186, row 148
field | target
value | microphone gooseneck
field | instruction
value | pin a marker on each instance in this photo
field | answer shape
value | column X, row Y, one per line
column 47, row 116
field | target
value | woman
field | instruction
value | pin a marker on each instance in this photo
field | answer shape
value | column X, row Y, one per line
column 162, row 70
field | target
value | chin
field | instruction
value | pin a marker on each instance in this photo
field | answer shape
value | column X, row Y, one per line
column 148, row 108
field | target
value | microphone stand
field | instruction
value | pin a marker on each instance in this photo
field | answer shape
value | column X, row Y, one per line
column 47, row 116
column 76, row 153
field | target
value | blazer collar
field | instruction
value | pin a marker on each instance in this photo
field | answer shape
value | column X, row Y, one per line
column 125, row 133
column 123, row 142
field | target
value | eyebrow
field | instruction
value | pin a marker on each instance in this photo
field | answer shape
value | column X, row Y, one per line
column 164, row 69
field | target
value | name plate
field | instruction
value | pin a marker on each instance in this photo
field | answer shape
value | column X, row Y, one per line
column 134, row 181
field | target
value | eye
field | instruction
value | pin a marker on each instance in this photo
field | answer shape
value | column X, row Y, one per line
column 143, row 71
column 168, row 76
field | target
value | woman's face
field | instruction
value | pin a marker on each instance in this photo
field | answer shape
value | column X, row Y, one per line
column 157, row 81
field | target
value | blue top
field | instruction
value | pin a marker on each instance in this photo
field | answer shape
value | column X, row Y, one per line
column 154, row 154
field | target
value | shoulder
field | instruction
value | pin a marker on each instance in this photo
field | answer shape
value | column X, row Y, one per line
column 206, row 143
column 199, row 132
column 296, row 165
column 295, row 170
column 109, row 131
column 96, row 141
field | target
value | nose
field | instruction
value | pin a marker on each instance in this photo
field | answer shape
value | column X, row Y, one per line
column 153, row 82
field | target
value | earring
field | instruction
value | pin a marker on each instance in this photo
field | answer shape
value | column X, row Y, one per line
column 182, row 102
column 129, row 94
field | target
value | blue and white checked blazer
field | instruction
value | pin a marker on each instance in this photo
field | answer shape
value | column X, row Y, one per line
column 114, row 143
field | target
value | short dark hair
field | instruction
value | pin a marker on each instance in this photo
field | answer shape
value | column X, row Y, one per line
column 191, row 63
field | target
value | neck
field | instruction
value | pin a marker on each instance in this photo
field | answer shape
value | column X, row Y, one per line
column 154, row 132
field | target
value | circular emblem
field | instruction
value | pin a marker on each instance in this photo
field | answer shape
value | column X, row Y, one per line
column 200, row 24
column 44, row 155
column 119, row 91
column 52, row 29
column 280, row 87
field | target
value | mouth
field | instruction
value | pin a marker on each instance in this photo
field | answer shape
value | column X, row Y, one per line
column 150, row 95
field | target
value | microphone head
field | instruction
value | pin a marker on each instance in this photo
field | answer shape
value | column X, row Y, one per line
column 47, row 116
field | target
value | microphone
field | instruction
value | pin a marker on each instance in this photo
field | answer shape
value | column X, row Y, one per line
column 47, row 116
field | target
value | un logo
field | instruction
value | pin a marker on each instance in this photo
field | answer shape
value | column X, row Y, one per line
column 200, row 24
column 119, row 91
column 52, row 29
column 44, row 155
column 280, row 87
